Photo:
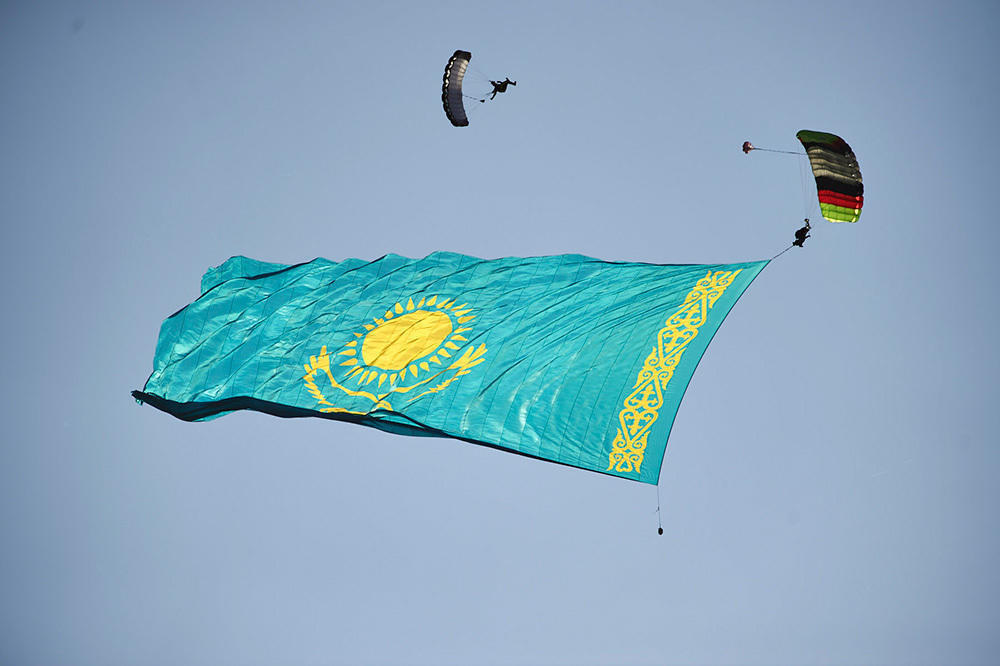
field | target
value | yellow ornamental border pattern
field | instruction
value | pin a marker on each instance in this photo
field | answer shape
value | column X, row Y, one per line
column 642, row 406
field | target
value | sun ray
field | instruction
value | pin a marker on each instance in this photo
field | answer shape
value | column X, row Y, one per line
column 405, row 342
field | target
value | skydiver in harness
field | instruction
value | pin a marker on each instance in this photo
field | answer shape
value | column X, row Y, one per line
column 802, row 234
column 501, row 86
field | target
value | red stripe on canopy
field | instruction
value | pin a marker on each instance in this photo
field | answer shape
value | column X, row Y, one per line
column 838, row 199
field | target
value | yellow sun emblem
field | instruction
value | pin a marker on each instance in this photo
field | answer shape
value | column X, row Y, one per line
column 408, row 347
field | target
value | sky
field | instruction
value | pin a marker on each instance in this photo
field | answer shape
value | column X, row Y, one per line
column 828, row 493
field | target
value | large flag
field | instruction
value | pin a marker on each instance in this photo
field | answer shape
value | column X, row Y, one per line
column 564, row 358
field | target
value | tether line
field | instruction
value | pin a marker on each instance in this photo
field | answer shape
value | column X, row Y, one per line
column 772, row 150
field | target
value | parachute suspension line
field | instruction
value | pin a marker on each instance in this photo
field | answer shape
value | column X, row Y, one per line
column 478, row 72
column 483, row 78
column 809, row 204
column 473, row 108
column 479, row 80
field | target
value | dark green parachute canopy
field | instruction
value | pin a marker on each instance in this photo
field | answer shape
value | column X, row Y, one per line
column 451, row 88
column 838, row 176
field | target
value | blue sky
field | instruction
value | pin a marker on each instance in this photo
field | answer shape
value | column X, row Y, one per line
column 828, row 491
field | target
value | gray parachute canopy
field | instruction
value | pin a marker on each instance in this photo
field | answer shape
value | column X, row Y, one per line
column 451, row 89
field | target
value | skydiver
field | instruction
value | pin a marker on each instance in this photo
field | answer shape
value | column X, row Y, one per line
column 501, row 86
column 802, row 234
column 747, row 147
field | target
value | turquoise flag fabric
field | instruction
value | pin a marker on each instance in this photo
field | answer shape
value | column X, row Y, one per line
column 563, row 358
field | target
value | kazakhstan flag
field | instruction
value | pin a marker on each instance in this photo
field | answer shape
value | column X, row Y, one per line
column 564, row 358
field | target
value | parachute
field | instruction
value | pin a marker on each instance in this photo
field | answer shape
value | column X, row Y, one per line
column 838, row 176
column 835, row 167
column 451, row 88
